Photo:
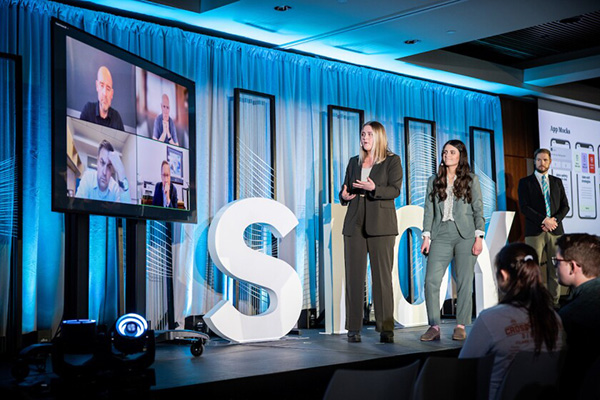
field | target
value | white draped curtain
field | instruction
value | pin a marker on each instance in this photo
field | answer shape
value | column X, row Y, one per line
column 302, row 86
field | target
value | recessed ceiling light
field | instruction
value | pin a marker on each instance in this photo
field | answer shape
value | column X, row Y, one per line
column 451, row 32
column 282, row 8
column 572, row 20
column 412, row 41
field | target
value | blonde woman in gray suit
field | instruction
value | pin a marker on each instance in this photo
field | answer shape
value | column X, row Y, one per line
column 453, row 228
column 373, row 180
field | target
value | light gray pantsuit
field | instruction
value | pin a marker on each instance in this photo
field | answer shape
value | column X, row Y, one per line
column 450, row 245
column 452, row 239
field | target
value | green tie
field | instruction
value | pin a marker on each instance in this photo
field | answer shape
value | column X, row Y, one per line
column 546, row 195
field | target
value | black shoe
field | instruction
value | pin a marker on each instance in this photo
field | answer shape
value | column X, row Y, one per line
column 354, row 337
column 386, row 337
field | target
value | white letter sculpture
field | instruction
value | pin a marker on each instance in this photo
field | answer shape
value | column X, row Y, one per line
column 234, row 258
column 406, row 313
column 335, row 278
column 486, row 291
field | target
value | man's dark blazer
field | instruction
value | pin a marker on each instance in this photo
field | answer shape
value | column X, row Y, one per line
column 531, row 202
column 158, row 196
column 380, row 213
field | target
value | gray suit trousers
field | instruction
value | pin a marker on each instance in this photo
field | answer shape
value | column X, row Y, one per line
column 545, row 247
column 380, row 250
column 448, row 245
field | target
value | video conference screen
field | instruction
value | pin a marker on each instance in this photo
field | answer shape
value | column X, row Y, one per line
column 123, row 132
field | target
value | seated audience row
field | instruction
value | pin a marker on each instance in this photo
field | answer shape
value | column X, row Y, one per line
column 525, row 320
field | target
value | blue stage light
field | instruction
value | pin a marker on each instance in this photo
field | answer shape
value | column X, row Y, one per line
column 131, row 325
column 130, row 335
column 78, row 335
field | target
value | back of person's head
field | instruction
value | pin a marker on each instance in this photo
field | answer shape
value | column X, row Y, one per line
column 524, row 288
column 520, row 261
column 584, row 249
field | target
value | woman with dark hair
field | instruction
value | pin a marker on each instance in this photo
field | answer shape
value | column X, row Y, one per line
column 372, row 182
column 453, row 228
column 523, row 321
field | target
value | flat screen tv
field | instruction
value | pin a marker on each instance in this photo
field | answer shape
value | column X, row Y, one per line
column 123, row 132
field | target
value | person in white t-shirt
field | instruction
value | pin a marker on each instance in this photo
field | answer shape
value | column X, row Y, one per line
column 523, row 321
column 109, row 181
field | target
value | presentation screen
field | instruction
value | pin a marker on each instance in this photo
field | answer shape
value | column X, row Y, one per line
column 123, row 132
column 574, row 141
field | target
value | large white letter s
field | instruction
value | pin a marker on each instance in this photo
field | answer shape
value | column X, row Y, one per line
column 234, row 258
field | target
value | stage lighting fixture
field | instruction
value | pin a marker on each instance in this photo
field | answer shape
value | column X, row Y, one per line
column 97, row 359
column 133, row 342
column 73, row 348
column 130, row 334
column 79, row 335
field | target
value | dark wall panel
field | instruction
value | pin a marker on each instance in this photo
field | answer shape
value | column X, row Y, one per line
column 521, row 139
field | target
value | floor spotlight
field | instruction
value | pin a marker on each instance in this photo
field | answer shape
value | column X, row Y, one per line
column 74, row 347
column 134, row 344
column 130, row 334
column 79, row 335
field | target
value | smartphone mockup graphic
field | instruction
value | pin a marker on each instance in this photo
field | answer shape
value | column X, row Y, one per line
column 585, row 167
column 562, row 167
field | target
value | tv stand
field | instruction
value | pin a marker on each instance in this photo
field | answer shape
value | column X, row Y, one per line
column 77, row 266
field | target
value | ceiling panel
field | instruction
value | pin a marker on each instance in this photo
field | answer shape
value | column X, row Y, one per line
column 551, row 42
column 497, row 40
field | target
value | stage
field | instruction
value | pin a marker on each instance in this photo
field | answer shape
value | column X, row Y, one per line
column 295, row 367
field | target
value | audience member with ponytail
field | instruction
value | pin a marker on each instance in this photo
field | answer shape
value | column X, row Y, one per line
column 524, row 320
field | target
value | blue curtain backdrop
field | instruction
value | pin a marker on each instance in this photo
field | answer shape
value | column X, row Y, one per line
column 8, row 180
column 303, row 88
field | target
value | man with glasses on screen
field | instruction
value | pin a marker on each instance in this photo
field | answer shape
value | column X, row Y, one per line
column 577, row 263
column 108, row 182
column 101, row 112
column 165, row 194
column 164, row 127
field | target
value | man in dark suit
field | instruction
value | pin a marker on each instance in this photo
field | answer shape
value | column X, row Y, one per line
column 543, row 201
column 165, row 194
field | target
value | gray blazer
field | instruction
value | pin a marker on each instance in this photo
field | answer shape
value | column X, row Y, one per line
column 468, row 217
column 380, row 218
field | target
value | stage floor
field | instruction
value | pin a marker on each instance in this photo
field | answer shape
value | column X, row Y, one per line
column 295, row 367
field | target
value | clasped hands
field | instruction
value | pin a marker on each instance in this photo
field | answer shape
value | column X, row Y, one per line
column 367, row 185
column 549, row 224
